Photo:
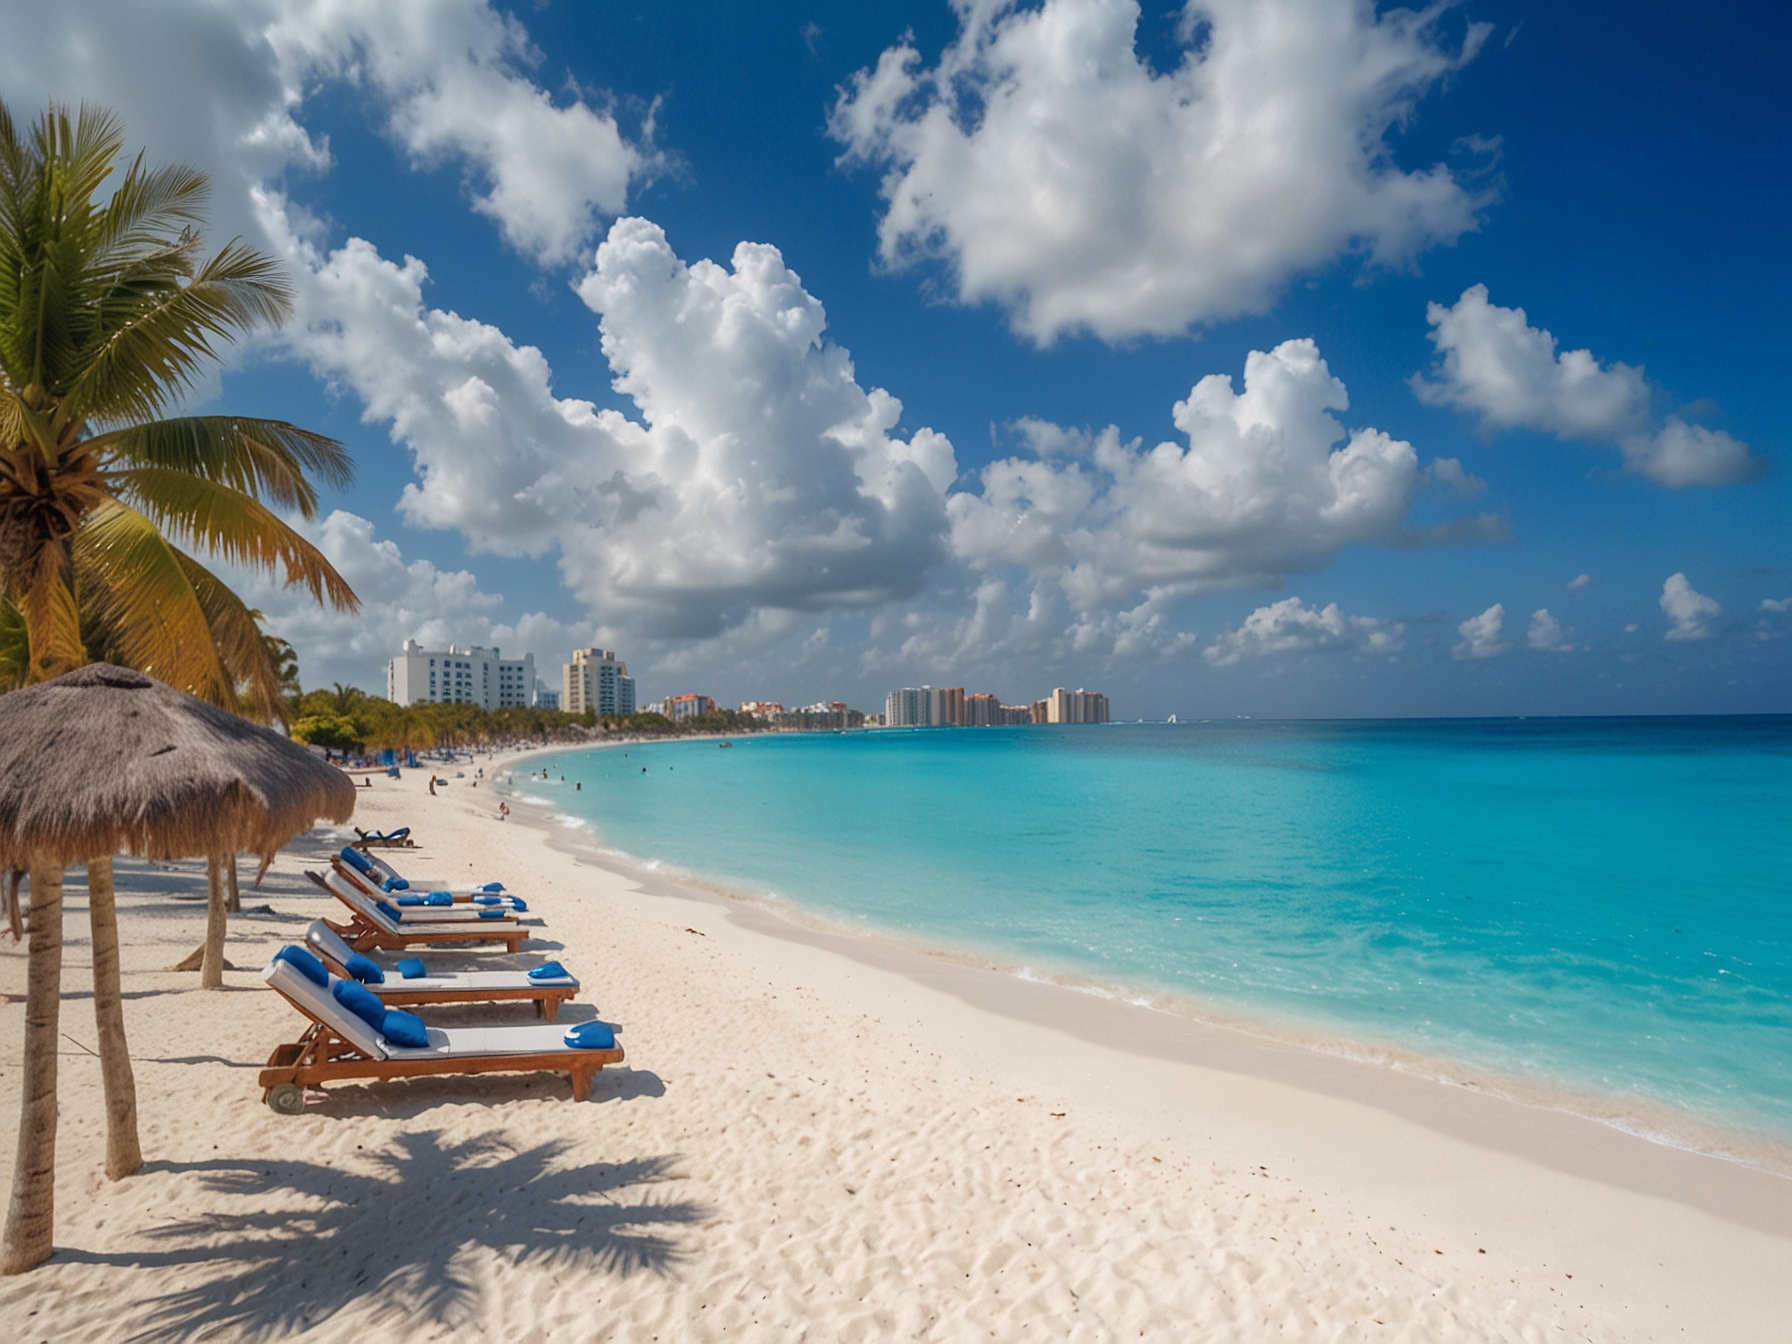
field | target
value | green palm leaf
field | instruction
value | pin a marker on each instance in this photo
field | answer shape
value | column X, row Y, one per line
column 265, row 457
column 136, row 582
column 228, row 523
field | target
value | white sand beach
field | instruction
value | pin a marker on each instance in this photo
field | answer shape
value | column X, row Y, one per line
column 822, row 1137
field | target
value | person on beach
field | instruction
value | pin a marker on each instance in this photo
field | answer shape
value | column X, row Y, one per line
column 503, row 811
column 432, row 786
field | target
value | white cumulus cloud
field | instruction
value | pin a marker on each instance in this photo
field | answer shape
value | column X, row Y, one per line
column 1481, row 634
column 1289, row 626
column 1546, row 633
column 1266, row 483
column 227, row 86
column 1493, row 363
column 1780, row 604
column 1689, row 611
column 1058, row 174
column 1580, row 583
column 759, row 476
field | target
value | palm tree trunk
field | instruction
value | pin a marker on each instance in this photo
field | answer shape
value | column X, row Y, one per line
column 124, row 1155
column 211, row 967
column 31, row 1217
column 234, row 904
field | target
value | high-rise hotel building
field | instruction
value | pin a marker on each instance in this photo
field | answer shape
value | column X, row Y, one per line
column 594, row 679
column 460, row 676
column 1078, row 706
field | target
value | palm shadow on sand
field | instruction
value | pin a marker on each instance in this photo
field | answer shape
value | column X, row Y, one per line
column 410, row 1232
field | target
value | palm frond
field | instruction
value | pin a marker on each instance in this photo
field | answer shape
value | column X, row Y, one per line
column 150, row 208
column 266, row 458
column 52, row 617
column 133, row 578
column 236, row 635
column 226, row 522
column 157, row 333
column 15, row 646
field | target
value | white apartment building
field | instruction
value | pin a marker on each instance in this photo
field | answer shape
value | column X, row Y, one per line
column 460, row 676
column 594, row 679
column 910, row 707
column 1078, row 706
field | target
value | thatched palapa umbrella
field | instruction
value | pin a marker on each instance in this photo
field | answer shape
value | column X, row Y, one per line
column 103, row 760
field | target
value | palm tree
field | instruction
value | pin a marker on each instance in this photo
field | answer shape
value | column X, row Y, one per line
column 109, row 312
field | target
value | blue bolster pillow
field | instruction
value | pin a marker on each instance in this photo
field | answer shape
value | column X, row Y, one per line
column 517, row 903
column 402, row 1028
column 355, row 859
column 409, row 902
column 396, row 884
column 439, row 898
column 365, row 969
column 411, row 968
column 591, row 1036
column 552, row 970
column 491, row 914
column 400, row 833
column 388, row 912
column 304, row 963
column 360, row 1001
column 492, row 886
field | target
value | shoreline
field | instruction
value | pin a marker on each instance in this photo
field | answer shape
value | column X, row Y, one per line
column 1263, row 1034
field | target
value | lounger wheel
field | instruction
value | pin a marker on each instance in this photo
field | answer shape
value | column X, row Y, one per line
column 286, row 1098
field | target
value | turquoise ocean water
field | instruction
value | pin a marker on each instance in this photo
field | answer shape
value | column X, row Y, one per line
column 1590, row 910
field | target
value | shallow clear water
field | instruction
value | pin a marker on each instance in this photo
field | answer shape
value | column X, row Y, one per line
column 1600, row 904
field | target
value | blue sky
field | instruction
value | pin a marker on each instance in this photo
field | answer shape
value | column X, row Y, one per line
column 1038, row 222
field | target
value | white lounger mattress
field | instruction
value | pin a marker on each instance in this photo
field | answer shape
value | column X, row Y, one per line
column 447, row 1042
column 371, row 912
column 444, row 1043
column 472, row 980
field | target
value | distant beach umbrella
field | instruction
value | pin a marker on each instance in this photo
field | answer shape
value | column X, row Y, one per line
column 104, row 760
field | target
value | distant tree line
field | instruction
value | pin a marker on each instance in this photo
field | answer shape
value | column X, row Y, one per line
column 346, row 718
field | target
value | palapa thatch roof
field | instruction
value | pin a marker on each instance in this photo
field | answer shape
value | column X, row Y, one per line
column 104, row 760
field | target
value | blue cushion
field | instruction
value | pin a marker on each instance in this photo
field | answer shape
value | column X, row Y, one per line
column 365, row 969
column 304, row 963
column 552, row 970
column 591, row 1036
column 517, row 903
column 409, row 902
column 483, row 899
column 388, row 911
column 491, row 914
column 411, row 968
column 360, row 1001
column 355, row 859
column 439, row 898
column 402, row 1028
column 396, row 884
column 400, row 833
column 492, row 886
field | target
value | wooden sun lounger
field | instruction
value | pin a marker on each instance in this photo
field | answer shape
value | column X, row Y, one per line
column 339, row 1046
column 368, row 928
column 459, row 896
column 452, row 913
column 446, row 986
column 365, row 839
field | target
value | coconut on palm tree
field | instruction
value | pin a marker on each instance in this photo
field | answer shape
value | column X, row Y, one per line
column 110, row 311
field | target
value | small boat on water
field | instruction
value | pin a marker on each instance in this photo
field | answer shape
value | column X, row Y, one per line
column 724, row 744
